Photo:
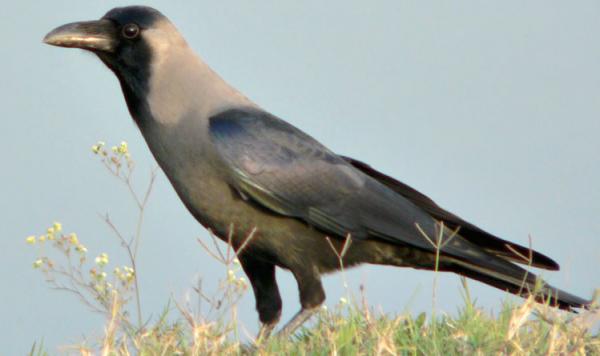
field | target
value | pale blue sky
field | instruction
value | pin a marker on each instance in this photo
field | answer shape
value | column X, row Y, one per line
column 491, row 109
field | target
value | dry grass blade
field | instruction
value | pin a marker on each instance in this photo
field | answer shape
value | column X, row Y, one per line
column 519, row 317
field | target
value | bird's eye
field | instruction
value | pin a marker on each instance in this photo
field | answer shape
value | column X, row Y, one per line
column 131, row 31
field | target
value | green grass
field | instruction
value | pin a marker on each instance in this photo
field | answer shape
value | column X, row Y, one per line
column 526, row 329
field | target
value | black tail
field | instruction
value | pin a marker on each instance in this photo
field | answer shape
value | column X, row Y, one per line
column 518, row 281
column 491, row 255
column 490, row 243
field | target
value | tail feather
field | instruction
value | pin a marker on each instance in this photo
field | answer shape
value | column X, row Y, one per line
column 519, row 281
column 491, row 259
column 488, row 242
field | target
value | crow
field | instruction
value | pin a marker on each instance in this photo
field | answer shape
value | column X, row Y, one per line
column 234, row 164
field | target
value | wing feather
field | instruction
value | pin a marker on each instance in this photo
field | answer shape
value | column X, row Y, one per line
column 292, row 174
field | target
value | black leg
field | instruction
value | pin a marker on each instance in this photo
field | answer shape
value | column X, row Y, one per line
column 268, row 301
column 312, row 296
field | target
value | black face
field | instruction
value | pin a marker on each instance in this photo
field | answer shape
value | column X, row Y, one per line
column 132, row 55
column 130, row 52
column 118, row 39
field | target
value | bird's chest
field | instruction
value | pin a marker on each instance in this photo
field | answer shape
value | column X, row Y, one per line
column 185, row 155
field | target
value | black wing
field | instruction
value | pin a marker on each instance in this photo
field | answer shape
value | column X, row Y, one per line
column 290, row 173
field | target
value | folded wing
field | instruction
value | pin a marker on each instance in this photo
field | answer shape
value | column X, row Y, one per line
column 290, row 173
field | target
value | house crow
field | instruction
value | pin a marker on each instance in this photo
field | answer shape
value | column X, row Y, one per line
column 233, row 163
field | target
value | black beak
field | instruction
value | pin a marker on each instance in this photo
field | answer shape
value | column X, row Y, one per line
column 97, row 35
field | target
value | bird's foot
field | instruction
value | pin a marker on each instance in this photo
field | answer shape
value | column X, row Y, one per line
column 264, row 332
column 300, row 318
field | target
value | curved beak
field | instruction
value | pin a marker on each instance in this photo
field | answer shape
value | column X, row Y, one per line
column 97, row 35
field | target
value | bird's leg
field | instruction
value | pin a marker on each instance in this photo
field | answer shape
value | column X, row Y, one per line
column 312, row 296
column 268, row 301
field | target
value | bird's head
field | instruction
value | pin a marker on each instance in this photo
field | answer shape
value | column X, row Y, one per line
column 129, row 40
column 161, row 77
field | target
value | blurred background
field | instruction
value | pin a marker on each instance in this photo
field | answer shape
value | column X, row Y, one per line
column 491, row 109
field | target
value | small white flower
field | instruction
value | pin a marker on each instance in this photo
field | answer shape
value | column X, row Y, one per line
column 102, row 260
column 122, row 149
column 57, row 227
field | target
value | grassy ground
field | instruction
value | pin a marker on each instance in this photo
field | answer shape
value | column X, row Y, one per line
column 351, row 328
